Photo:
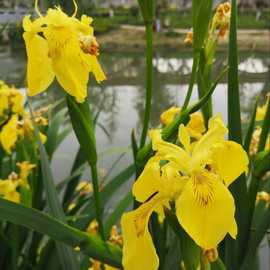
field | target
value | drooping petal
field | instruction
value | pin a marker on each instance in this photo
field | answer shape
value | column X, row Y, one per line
column 206, row 212
column 229, row 160
column 149, row 181
column 138, row 248
column 39, row 66
column 95, row 68
column 68, row 61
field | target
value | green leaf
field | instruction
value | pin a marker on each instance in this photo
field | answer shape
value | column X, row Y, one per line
column 173, row 258
column 80, row 159
column 218, row 265
column 190, row 252
column 202, row 10
column 255, row 240
column 265, row 128
column 147, row 9
column 235, row 249
column 57, row 230
column 251, row 126
column 66, row 254
column 105, row 194
column 52, row 134
column 117, row 213
column 134, row 144
column 261, row 163
column 83, row 127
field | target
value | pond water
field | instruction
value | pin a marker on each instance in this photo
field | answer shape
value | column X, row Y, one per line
column 120, row 99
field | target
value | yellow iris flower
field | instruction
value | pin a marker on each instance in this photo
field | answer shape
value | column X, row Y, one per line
column 155, row 187
column 63, row 47
column 196, row 176
column 25, row 169
column 11, row 101
column 9, row 134
column 195, row 125
column 8, row 190
column 261, row 111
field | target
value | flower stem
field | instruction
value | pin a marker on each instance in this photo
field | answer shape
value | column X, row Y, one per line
column 83, row 126
column 192, row 80
column 149, row 80
column 98, row 206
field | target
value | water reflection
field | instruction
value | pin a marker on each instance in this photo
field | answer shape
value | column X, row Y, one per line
column 120, row 99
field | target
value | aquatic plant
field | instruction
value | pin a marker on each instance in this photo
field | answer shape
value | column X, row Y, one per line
column 201, row 187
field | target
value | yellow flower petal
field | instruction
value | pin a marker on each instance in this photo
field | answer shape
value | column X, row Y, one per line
column 9, row 134
column 149, row 181
column 261, row 111
column 202, row 149
column 184, row 137
column 8, row 190
column 196, row 125
column 168, row 116
column 230, row 160
column 3, row 102
column 95, row 68
column 39, row 66
column 233, row 230
column 138, row 249
column 206, row 212
column 169, row 151
column 68, row 61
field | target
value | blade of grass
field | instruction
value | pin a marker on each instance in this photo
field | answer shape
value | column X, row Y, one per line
column 265, row 128
column 80, row 159
column 105, row 194
column 251, row 126
column 81, row 119
column 53, row 129
column 235, row 251
column 190, row 252
column 57, row 230
column 66, row 254
column 149, row 67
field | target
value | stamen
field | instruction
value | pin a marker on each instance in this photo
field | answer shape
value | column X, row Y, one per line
column 75, row 8
column 203, row 190
column 37, row 9
column 89, row 45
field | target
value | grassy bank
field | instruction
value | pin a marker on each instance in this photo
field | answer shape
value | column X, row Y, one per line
column 171, row 19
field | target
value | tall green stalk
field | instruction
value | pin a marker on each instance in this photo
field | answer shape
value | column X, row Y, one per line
column 82, row 123
column 149, row 80
column 196, row 59
column 99, row 208
column 235, row 249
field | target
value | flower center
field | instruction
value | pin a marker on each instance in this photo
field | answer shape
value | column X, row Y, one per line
column 203, row 189
column 89, row 45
